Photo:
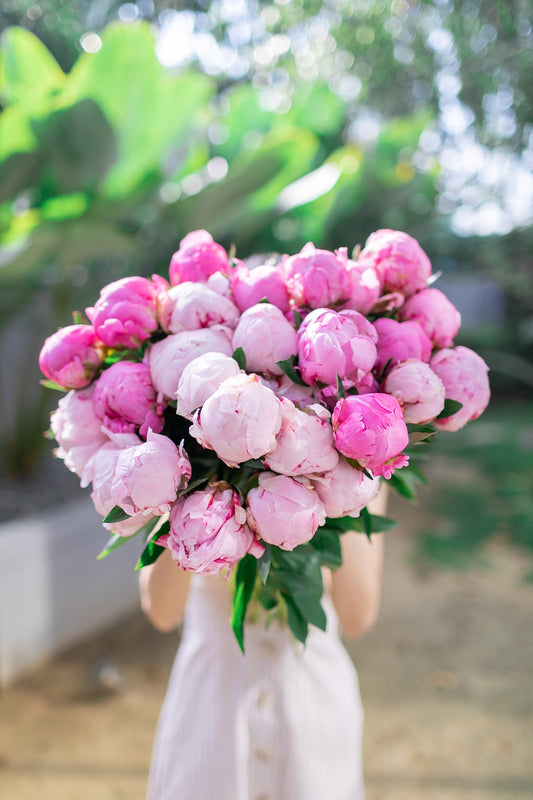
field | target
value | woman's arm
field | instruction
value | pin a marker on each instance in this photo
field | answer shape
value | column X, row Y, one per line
column 164, row 587
column 356, row 586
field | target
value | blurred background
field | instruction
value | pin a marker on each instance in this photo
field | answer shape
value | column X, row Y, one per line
column 123, row 126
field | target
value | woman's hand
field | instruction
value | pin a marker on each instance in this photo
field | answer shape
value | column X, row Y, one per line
column 164, row 587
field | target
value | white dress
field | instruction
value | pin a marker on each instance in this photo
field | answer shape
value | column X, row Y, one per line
column 278, row 723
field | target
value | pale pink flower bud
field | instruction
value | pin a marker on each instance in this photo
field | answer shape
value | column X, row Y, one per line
column 125, row 315
column 365, row 287
column 251, row 286
column 125, row 399
column 200, row 378
column 100, row 469
column 398, row 341
column 169, row 357
column 77, row 429
column 283, row 511
column 71, row 356
column 332, row 343
column 197, row 258
column 399, row 260
column 435, row 314
column 304, row 444
column 316, row 278
column 239, row 421
column 266, row 337
column 465, row 378
column 417, row 388
column 345, row 490
column 370, row 428
column 208, row 531
column 190, row 306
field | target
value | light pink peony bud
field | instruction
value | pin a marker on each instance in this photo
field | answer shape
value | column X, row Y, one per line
column 169, row 357
column 370, row 428
column 304, row 444
column 417, row 388
column 148, row 476
column 197, row 258
column 125, row 399
column 365, row 287
column 251, row 286
column 284, row 511
column 201, row 377
column 435, row 314
column 398, row 341
column 239, row 421
column 190, row 306
column 316, row 278
column 332, row 343
column 266, row 337
column 125, row 315
column 465, row 378
column 399, row 260
column 208, row 531
column 71, row 356
column 77, row 429
column 345, row 490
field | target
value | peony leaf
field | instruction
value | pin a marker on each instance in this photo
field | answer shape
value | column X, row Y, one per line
column 263, row 563
column 340, row 388
column 152, row 551
column 52, row 385
column 298, row 319
column 376, row 523
column 117, row 540
column 310, row 608
column 244, row 586
column 451, row 407
column 326, row 540
column 117, row 514
column 288, row 367
column 240, row 357
column 296, row 621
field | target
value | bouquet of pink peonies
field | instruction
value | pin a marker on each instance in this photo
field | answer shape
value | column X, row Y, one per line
column 244, row 417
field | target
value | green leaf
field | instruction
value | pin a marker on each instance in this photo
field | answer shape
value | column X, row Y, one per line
column 296, row 621
column 377, row 523
column 450, row 407
column 288, row 367
column 117, row 514
column 310, row 608
column 268, row 598
column 404, row 483
column 27, row 68
column 326, row 540
column 340, row 388
column 420, row 433
column 298, row 319
column 367, row 521
column 117, row 541
column 240, row 357
column 244, row 586
column 263, row 564
column 150, row 554
column 51, row 385
column 17, row 173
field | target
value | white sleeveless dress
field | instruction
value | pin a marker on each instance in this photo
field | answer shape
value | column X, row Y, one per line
column 278, row 723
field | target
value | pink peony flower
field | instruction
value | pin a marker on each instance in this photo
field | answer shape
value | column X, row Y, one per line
column 284, row 511
column 71, row 356
column 197, row 258
column 417, row 388
column 125, row 315
column 465, row 378
column 370, row 428
column 190, row 306
column 345, row 490
column 148, row 476
column 251, row 286
column 436, row 315
column 266, row 337
column 201, row 377
column 398, row 341
column 304, row 444
column 169, row 357
column 365, row 286
column 125, row 399
column 332, row 343
column 282, row 386
column 239, row 421
column 316, row 278
column 77, row 429
column 208, row 531
column 399, row 260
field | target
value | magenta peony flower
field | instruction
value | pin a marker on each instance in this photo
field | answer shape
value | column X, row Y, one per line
column 304, row 444
column 208, row 531
column 435, row 314
column 201, row 377
column 251, row 286
column 345, row 490
column 239, row 421
column 465, row 378
column 417, row 388
column 197, row 258
column 266, row 337
column 125, row 399
column 370, row 428
column 190, row 306
column 332, row 343
column 398, row 341
column 71, row 356
column 284, row 511
column 169, row 357
column 399, row 260
column 77, row 429
column 316, row 278
column 125, row 315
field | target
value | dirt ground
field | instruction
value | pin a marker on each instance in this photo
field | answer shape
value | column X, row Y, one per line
column 446, row 678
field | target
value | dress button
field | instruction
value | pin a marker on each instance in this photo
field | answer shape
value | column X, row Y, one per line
column 264, row 698
column 263, row 753
column 268, row 646
column 261, row 797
